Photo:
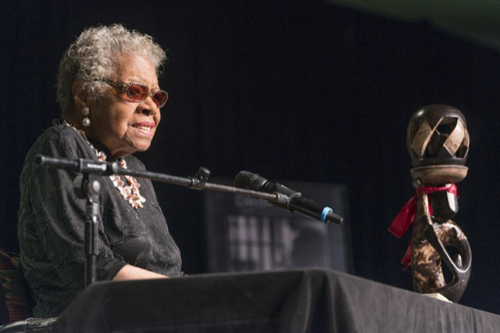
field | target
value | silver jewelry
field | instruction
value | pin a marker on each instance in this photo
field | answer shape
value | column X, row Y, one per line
column 130, row 192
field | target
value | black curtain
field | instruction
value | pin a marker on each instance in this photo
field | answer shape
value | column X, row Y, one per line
column 293, row 90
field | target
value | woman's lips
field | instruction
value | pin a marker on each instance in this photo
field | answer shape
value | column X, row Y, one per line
column 145, row 127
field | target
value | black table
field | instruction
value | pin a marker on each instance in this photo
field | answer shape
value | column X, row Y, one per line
column 313, row 300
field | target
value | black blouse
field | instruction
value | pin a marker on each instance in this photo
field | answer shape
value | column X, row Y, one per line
column 52, row 221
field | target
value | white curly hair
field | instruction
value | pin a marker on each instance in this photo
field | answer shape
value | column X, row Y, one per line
column 93, row 56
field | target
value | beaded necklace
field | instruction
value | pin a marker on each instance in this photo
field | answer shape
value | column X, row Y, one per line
column 130, row 192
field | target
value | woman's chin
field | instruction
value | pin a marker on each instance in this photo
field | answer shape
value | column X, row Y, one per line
column 143, row 146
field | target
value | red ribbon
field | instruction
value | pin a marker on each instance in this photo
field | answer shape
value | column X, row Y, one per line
column 406, row 215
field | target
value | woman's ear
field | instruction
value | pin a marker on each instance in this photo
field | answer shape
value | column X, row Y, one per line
column 80, row 96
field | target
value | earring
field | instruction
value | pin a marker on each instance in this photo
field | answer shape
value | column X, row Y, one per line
column 86, row 119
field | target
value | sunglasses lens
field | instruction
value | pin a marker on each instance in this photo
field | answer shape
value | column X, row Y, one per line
column 160, row 98
column 137, row 92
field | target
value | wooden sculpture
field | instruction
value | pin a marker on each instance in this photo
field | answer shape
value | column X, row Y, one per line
column 438, row 143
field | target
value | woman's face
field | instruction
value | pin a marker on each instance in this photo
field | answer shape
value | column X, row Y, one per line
column 125, row 127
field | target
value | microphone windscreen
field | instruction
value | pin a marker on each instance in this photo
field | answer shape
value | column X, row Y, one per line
column 252, row 181
column 242, row 179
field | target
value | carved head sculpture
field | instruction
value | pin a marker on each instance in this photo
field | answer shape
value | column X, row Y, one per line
column 438, row 143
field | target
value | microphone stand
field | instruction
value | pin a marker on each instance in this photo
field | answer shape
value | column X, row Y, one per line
column 87, row 186
column 197, row 182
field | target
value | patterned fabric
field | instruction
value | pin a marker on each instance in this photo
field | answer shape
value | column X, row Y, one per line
column 14, row 289
column 52, row 222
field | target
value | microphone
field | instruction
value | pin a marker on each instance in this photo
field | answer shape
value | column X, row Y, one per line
column 295, row 202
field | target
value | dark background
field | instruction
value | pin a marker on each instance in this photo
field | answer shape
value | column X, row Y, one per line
column 293, row 90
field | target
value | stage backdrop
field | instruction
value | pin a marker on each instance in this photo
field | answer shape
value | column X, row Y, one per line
column 296, row 90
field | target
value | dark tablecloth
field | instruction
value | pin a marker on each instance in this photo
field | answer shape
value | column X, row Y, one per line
column 283, row 301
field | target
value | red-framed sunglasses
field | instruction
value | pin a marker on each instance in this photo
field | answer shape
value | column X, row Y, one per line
column 137, row 92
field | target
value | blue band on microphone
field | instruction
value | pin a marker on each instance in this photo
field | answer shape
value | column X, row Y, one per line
column 325, row 212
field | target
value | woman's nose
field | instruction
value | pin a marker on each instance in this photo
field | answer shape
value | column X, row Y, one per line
column 148, row 107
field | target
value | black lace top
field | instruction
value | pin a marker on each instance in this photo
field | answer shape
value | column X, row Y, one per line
column 52, row 222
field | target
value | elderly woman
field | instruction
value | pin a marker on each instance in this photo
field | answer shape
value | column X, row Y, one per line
column 110, row 99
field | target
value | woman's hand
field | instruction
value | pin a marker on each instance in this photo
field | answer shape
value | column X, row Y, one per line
column 129, row 272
